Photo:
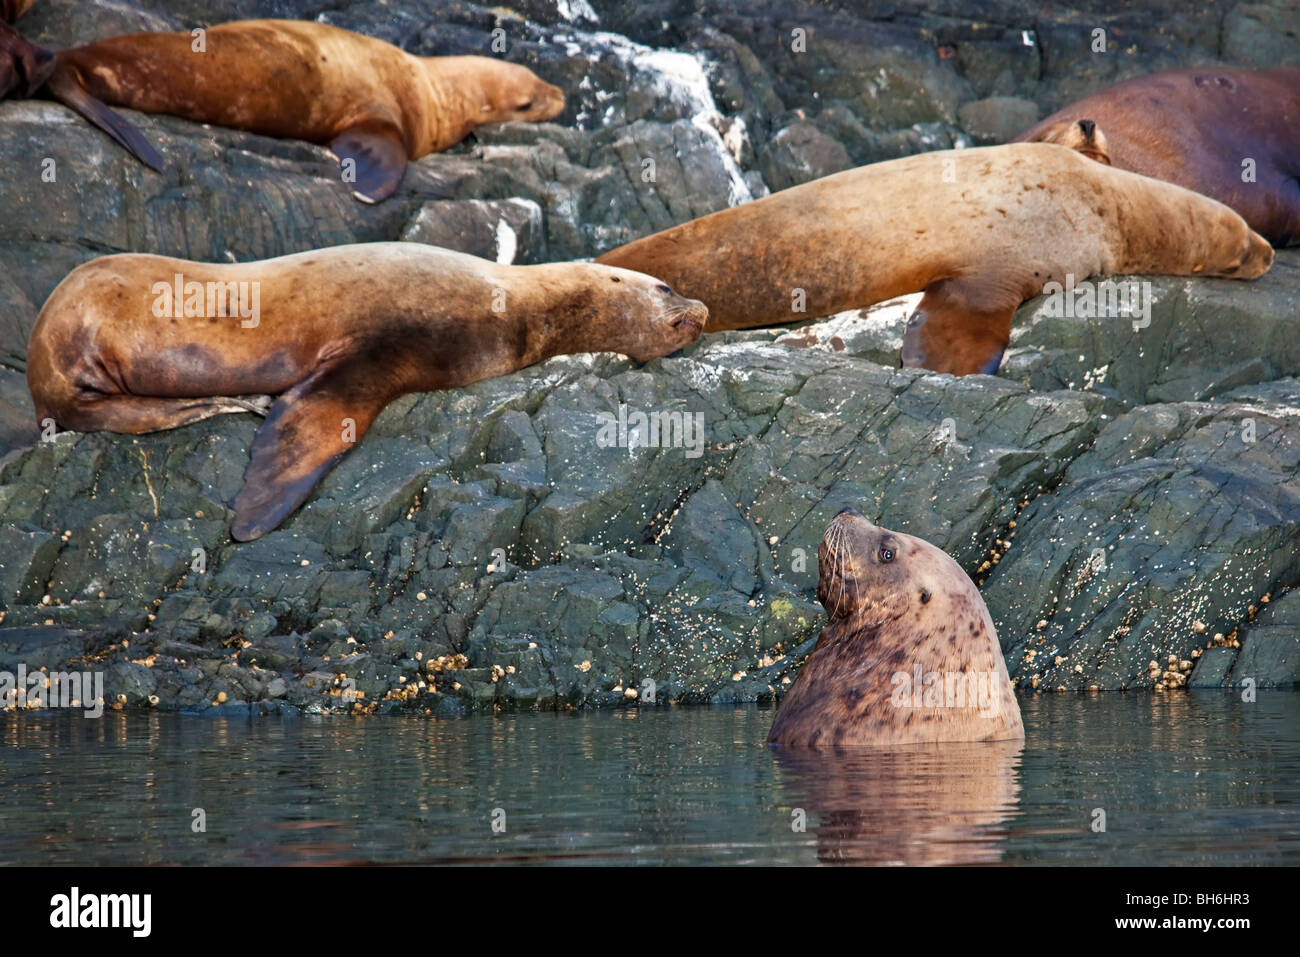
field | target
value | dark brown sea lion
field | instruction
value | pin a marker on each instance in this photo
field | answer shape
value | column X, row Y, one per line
column 375, row 106
column 1233, row 135
column 11, row 10
column 24, row 67
column 909, row 653
column 138, row 343
column 979, row 230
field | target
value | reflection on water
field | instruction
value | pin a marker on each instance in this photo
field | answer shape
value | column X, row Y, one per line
column 1196, row 778
column 918, row 804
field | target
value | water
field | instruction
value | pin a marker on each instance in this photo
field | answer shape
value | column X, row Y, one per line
column 1188, row 778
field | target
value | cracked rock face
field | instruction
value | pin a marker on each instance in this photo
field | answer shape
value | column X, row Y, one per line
column 593, row 532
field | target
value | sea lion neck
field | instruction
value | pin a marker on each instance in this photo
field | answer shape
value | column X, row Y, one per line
column 553, row 313
column 458, row 96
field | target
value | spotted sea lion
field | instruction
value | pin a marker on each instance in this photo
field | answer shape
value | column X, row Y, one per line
column 909, row 653
column 1233, row 135
column 137, row 343
column 375, row 106
column 979, row 230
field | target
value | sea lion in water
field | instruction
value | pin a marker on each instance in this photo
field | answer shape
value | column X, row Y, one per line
column 1233, row 135
column 909, row 653
column 374, row 105
column 979, row 230
column 138, row 343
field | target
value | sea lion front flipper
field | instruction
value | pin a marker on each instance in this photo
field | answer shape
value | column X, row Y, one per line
column 24, row 67
column 308, row 429
column 372, row 157
column 961, row 326
column 68, row 90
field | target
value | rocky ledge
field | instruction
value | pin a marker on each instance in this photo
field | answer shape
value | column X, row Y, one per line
column 1128, row 497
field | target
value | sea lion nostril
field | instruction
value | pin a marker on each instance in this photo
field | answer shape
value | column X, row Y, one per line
column 1087, row 126
column 848, row 510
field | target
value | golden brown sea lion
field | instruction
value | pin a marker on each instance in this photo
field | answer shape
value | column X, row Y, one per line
column 909, row 653
column 138, row 343
column 1233, row 135
column 979, row 230
column 375, row 106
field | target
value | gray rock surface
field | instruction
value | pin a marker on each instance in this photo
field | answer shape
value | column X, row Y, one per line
column 486, row 548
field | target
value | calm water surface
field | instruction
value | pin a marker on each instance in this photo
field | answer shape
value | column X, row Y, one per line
column 1193, row 778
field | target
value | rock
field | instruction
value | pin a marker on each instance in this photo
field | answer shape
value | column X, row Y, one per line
column 997, row 119
column 801, row 153
column 18, row 427
column 505, row 231
column 1262, row 35
column 1205, row 337
column 1212, row 667
column 1172, row 517
column 28, row 558
column 1270, row 646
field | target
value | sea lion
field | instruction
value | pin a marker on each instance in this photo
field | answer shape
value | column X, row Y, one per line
column 1233, row 135
column 138, row 343
column 11, row 10
column 979, row 230
column 24, row 67
column 909, row 653
column 375, row 106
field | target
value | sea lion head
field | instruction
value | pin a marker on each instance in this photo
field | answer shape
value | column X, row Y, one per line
column 1248, row 254
column 870, row 576
column 514, row 92
column 1082, row 136
column 647, row 318
column 1216, row 242
column 903, row 617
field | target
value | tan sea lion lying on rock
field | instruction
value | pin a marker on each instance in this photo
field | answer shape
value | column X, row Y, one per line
column 375, row 106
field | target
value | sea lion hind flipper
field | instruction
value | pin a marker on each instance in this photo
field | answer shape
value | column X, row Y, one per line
column 372, row 159
column 960, row 326
column 24, row 67
column 69, row 91
column 305, row 433
column 139, row 414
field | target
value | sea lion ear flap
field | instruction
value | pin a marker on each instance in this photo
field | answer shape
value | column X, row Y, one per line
column 307, row 431
column 372, row 160
column 960, row 326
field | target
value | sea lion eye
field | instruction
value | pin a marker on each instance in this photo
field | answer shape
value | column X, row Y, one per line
column 662, row 288
column 526, row 105
column 886, row 553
